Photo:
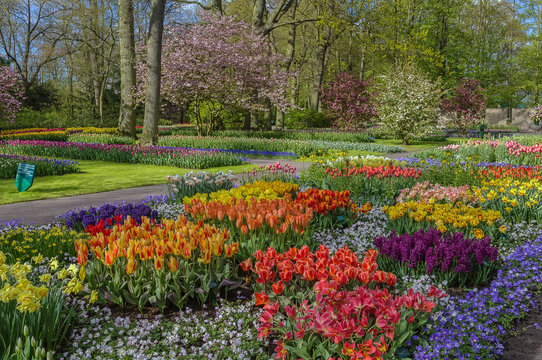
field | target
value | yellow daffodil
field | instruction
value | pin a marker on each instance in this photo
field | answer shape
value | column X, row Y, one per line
column 93, row 297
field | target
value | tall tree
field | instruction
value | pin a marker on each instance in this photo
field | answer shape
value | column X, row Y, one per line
column 530, row 56
column 220, row 64
column 127, row 117
column 30, row 31
column 154, row 63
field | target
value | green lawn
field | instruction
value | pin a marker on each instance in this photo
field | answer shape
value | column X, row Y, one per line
column 96, row 176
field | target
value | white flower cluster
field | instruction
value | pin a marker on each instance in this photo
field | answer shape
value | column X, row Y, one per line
column 169, row 210
column 193, row 179
column 227, row 332
column 359, row 237
column 201, row 182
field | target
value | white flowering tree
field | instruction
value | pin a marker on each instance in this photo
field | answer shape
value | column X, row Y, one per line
column 408, row 103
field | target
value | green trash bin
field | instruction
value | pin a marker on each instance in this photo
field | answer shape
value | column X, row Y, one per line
column 482, row 130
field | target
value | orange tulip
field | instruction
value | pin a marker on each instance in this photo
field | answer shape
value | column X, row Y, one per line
column 158, row 262
column 173, row 264
column 278, row 287
column 244, row 229
column 131, row 266
column 261, row 299
column 109, row 258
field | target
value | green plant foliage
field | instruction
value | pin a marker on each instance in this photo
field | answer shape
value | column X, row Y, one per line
column 306, row 119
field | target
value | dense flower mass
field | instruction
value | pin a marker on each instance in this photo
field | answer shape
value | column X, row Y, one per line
column 192, row 183
column 452, row 257
column 426, row 192
column 15, row 286
column 411, row 216
column 377, row 171
column 130, row 252
column 339, row 308
column 80, row 220
column 257, row 190
column 154, row 155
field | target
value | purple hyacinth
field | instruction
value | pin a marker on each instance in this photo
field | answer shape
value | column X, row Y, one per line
column 448, row 252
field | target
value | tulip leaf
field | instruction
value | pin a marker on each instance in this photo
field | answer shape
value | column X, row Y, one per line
column 233, row 284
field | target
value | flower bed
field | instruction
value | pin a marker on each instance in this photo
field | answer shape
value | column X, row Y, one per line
column 152, row 155
column 44, row 166
column 330, row 277
column 299, row 147
column 57, row 134
column 516, row 151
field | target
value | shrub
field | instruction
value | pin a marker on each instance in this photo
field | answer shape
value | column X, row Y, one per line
column 467, row 106
column 350, row 101
column 408, row 103
column 306, row 119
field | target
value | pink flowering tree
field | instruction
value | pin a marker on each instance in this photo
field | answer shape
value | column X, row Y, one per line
column 350, row 102
column 467, row 106
column 219, row 63
column 11, row 93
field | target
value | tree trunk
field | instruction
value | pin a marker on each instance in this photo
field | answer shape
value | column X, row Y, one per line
column 247, row 120
column 217, row 6
column 127, row 116
column 70, row 88
column 154, row 64
column 319, row 70
column 95, row 73
column 362, row 63
column 290, row 53
column 254, row 120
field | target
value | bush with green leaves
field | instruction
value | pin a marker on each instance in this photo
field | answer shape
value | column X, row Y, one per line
column 306, row 119
column 408, row 103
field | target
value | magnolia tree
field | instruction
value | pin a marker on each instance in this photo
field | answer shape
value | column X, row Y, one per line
column 216, row 64
column 350, row 102
column 11, row 93
column 408, row 103
column 467, row 106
